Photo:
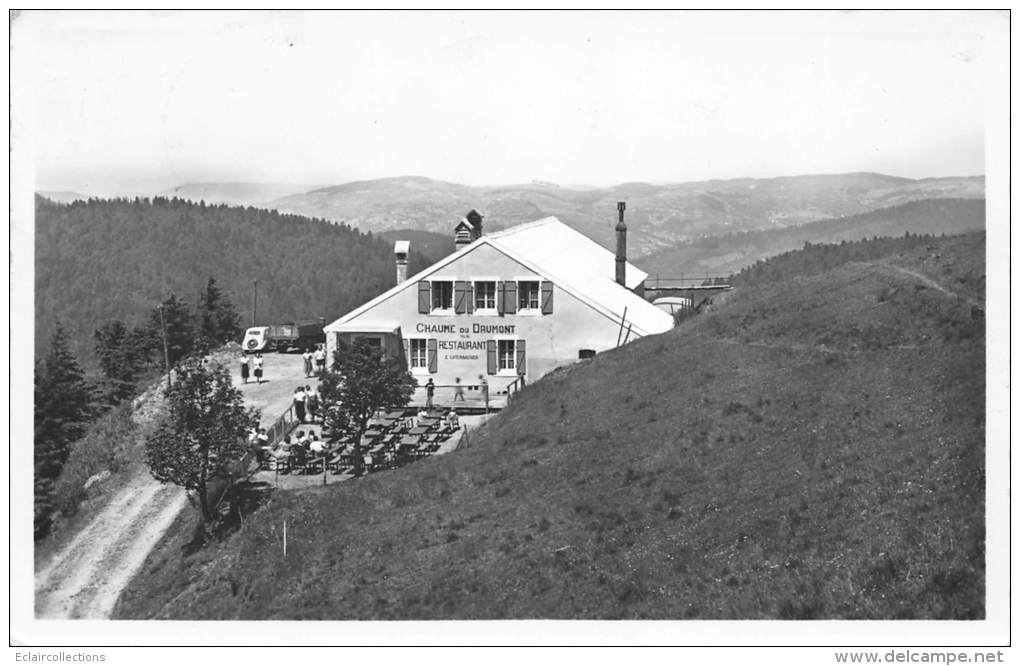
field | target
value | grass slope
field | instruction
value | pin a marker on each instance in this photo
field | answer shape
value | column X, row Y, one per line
column 812, row 448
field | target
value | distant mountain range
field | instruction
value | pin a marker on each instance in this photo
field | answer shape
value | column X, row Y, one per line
column 727, row 253
column 659, row 216
column 235, row 194
column 64, row 196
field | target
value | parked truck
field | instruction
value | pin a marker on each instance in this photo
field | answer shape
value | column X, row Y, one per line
column 283, row 337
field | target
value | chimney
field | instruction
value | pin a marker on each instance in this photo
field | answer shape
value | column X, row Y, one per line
column 400, row 250
column 475, row 218
column 621, row 246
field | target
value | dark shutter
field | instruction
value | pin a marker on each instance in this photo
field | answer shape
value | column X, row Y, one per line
column 493, row 361
column 424, row 297
column 469, row 297
column 460, row 297
column 407, row 353
column 499, row 297
column 510, row 297
column 522, row 361
column 547, row 297
column 433, row 356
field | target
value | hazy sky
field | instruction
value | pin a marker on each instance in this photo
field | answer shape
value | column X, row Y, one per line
column 137, row 102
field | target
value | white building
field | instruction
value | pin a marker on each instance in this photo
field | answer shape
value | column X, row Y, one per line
column 510, row 306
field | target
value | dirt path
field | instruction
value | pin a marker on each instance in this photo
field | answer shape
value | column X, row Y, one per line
column 932, row 284
column 84, row 579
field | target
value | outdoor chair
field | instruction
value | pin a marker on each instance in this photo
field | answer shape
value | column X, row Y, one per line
column 314, row 465
column 297, row 459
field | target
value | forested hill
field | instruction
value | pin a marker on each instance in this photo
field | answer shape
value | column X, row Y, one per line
column 729, row 253
column 100, row 260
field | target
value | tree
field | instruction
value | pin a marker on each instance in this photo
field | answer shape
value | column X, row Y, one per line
column 218, row 317
column 180, row 328
column 63, row 408
column 362, row 381
column 122, row 355
column 203, row 433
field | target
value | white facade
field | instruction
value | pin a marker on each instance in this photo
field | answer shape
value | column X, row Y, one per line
column 517, row 303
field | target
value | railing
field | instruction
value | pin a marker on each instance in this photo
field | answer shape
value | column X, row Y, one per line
column 494, row 394
column 282, row 426
column 705, row 281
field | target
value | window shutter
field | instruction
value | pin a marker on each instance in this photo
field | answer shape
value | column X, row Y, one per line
column 407, row 353
column 522, row 361
column 433, row 356
column 469, row 297
column 493, row 361
column 460, row 297
column 424, row 297
column 499, row 297
column 510, row 294
column 547, row 297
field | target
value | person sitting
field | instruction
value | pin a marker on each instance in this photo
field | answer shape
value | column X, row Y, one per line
column 317, row 446
column 452, row 420
column 421, row 418
column 300, row 438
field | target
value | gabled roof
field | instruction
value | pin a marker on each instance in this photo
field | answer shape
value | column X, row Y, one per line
column 552, row 244
column 567, row 258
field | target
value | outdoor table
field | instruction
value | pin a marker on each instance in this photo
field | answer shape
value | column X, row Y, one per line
column 418, row 431
column 394, row 415
column 428, row 422
column 409, row 440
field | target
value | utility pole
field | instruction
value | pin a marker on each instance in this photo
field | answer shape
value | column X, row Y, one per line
column 255, row 303
column 166, row 351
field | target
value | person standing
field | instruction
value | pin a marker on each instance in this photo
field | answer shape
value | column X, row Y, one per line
column 258, row 367
column 484, row 385
column 244, row 367
column 320, row 359
column 458, row 391
column 430, row 390
column 299, row 404
column 307, row 356
column 311, row 403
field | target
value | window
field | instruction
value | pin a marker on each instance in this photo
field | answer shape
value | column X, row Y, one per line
column 485, row 295
column 419, row 354
column 528, row 296
column 442, row 295
column 507, row 355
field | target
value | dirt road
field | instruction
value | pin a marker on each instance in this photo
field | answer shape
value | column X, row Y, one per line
column 84, row 579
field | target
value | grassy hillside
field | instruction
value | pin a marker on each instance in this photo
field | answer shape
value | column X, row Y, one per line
column 115, row 259
column 811, row 448
column 659, row 215
column 724, row 254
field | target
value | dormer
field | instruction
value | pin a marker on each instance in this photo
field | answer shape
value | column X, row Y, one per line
column 463, row 234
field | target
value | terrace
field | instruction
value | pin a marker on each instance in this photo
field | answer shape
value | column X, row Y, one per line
column 393, row 439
